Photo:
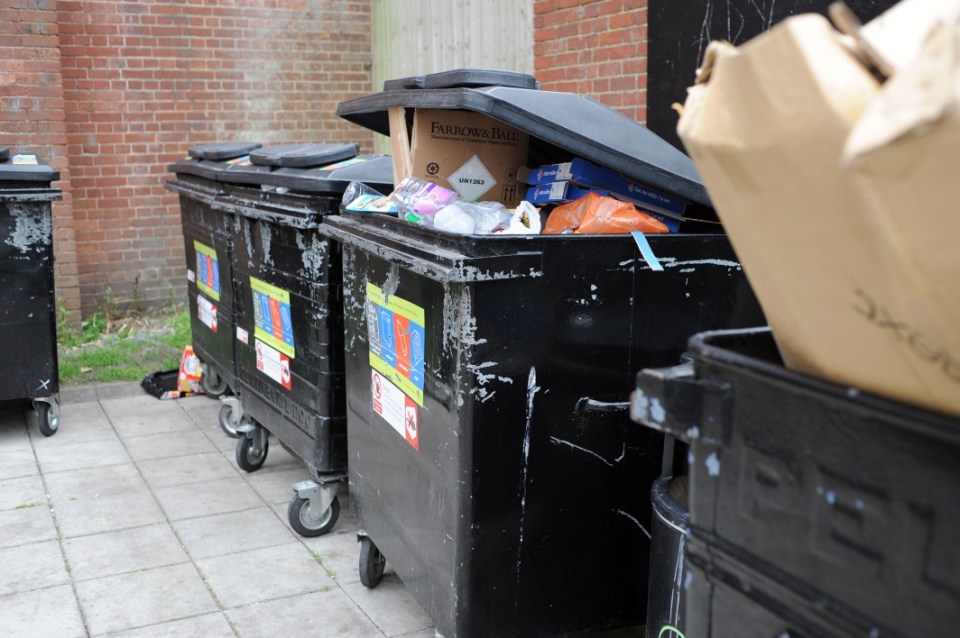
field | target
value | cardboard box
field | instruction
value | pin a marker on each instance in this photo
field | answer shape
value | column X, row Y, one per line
column 470, row 153
column 838, row 192
column 583, row 173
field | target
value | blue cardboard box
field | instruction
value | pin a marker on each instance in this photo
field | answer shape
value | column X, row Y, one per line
column 585, row 174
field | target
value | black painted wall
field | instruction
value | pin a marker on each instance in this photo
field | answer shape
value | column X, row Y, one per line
column 681, row 29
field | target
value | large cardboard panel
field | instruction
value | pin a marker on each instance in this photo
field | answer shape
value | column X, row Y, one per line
column 834, row 256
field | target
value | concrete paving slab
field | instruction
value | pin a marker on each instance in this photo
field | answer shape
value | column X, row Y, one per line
column 26, row 525
column 193, row 468
column 33, row 566
column 41, row 612
column 263, row 574
column 233, row 532
column 81, row 516
column 200, row 405
column 84, row 421
column 142, row 415
column 17, row 461
column 192, row 500
column 94, row 482
column 123, row 551
column 206, row 626
column 143, row 598
column 339, row 552
column 275, row 485
column 21, row 492
column 326, row 614
column 221, row 441
column 426, row 633
column 168, row 444
column 80, row 454
column 389, row 605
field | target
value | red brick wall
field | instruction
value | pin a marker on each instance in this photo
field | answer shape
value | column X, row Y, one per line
column 594, row 47
column 145, row 79
column 32, row 117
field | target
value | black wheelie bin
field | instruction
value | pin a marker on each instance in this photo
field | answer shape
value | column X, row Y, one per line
column 28, row 321
column 815, row 509
column 493, row 462
column 208, row 246
column 289, row 342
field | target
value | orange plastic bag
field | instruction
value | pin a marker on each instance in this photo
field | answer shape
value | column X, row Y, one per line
column 598, row 214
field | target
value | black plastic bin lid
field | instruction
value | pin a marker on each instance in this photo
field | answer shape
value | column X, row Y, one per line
column 303, row 155
column 25, row 167
column 222, row 151
column 464, row 78
column 376, row 171
column 561, row 126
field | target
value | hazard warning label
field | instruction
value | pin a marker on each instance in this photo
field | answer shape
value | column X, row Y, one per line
column 396, row 408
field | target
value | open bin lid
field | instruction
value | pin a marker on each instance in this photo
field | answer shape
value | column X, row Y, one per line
column 464, row 78
column 561, row 126
column 222, row 151
column 25, row 167
column 303, row 155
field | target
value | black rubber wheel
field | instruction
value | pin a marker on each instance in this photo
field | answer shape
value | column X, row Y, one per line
column 372, row 563
column 229, row 427
column 249, row 458
column 48, row 419
column 300, row 521
column 212, row 384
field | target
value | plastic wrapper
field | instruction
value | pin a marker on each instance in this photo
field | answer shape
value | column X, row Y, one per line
column 418, row 200
column 524, row 221
column 598, row 214
column 469, row 219
column 355, row 190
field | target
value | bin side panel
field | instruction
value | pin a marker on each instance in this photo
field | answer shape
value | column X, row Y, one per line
column 209, row 252
column 290, row 365
column 527, row 455
column 409, row 499
column 850, row 499
column 28, row 311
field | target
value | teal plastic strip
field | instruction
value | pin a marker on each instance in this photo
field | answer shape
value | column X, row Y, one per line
column 646, row 251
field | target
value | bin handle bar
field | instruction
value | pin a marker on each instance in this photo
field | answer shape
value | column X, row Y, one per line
column 672, row 400
column 586, row 405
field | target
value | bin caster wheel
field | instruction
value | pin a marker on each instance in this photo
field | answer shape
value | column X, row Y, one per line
column 48, row 417
column 227, row 424
column 372, row 563
column 212, row 384
column 250, row 454
column 304, row 522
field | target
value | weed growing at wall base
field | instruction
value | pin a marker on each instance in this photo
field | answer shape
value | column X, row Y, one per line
column 124, row 349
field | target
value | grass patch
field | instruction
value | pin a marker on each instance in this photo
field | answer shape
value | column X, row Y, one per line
column 23, row 506
column 123, row 349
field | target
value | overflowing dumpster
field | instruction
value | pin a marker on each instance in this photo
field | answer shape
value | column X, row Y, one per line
column 492, row 462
